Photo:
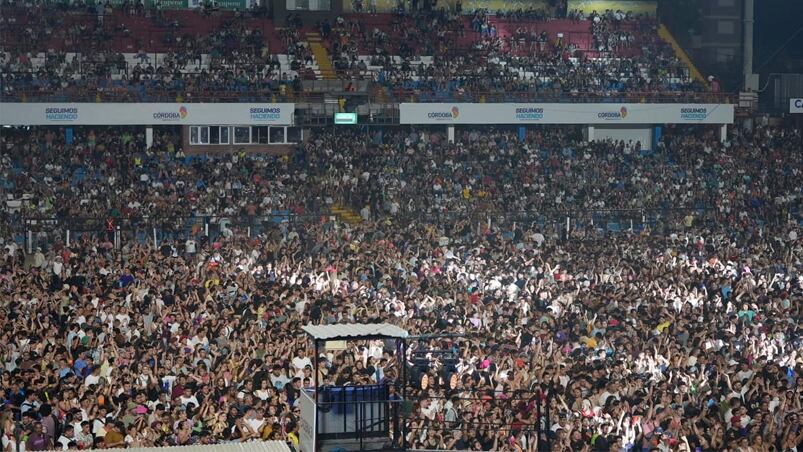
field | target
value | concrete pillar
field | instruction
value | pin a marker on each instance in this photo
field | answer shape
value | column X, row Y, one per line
column 588, row 133
column 747, row 47
column 723, row 133
column 657, row 133
column 148, row 137
column 450, row 134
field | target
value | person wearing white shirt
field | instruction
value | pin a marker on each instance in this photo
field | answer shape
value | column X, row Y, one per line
column 300, row 362
column 169, row 380
column 9, row 441
column 189, row 246
column 745, row 373
column 375, row 349
column 188, row 398
column 256, row 419
column 66, row 437
column 92, row 379
column 58, row 266
column 99, row 427
column 264, row 392
column 278, row 378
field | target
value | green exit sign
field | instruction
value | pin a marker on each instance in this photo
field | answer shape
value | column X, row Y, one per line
column 345, row 118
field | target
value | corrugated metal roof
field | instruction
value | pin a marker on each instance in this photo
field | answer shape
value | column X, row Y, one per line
column 251, row 446
column 354, row 330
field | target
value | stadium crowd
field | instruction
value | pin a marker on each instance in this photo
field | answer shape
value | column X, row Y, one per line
column 526, row 60
column 172, row 64
column 55, row 54
column 685, row 335
column 382, row 173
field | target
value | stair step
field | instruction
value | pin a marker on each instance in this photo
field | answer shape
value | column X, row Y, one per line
column 666, row 35
column 322, row 58
column 346, row 214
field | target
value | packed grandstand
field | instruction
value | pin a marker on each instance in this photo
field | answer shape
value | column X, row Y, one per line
column 595, row 294
column 116, row 54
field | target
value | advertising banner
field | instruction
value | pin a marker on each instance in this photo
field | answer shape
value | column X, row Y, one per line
column 649, row 7
column 363, row 6
column 37, row 114
column 513, row 113
column 795, row 105
column 469, row 6
column 192, row 4
column 308, row 422
column 169, row 4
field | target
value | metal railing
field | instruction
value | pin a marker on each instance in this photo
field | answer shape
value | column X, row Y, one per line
column 113, row 93
column 560, row 221
column 44, row 232
column 539, row 400
column 777, row 90
column 245, row 93
column 353, row 412
column 546, row 95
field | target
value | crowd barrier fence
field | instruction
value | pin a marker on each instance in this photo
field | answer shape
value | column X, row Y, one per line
column 43, row 232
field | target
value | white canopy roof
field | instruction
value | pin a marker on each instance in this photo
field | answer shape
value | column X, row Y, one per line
column 354, row 330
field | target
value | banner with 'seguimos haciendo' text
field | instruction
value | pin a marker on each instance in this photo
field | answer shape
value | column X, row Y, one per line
column 95, row 114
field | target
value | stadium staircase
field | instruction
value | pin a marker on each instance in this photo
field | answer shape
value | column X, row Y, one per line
column 381, row 94
column 346, row 214
column 666, row 35
column 326, row 71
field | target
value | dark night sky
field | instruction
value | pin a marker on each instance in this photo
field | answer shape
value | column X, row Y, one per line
column 776, row 22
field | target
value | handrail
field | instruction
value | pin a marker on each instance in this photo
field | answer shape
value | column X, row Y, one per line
column 178, row 95
column 431, row 96
column 36, row 219
column 44, row 231
column 553, row 214
column 162, row 223
column 246, row 94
